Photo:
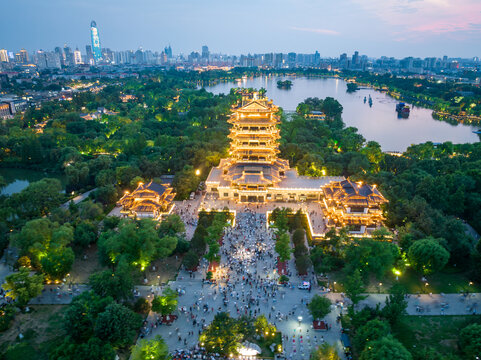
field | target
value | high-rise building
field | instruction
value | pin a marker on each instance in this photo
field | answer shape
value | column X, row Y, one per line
column 69, row 61
column 53, row 60
column 355, row 58
column 97, row 52
column 89, row 55
column 168, row 52
column 40, row 59
column 61, row 55
column 22, row 57
column 3, row 55
column 77, row 57
column 205, row 52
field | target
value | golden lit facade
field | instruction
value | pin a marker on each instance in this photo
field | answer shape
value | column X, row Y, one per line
column 253, row 173
column 150, row 200
column 357, row 205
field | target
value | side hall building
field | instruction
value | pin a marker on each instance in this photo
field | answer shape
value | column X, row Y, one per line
column 151, row 200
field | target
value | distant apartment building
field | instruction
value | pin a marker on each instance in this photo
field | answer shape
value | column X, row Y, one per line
column 3, row 55
column 77, row 57
column 5, row 110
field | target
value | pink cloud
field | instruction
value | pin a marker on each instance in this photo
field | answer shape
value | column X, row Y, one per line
column 417, row 19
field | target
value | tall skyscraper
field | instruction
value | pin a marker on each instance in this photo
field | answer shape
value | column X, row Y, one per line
column 168, row 52
column 69, row 61
column 3, row 55
column 24, row 56
column 205, row 52
column 355, row 58
column 95, row 42
column 77, row 57
column 61, row 55
column 90, row 55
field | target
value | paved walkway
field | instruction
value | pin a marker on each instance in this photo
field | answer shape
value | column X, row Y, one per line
column 241, row 260
column 312, row 208
column 77, row 199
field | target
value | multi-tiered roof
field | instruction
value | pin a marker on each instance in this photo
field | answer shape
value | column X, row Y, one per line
column 254, row 132
column 253, row 162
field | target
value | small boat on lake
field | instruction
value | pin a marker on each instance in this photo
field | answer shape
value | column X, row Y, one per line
column 403, row 110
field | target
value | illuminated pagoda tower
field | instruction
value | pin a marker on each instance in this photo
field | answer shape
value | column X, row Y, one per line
column 96, row 50
column 253, row 173
column 253, row 166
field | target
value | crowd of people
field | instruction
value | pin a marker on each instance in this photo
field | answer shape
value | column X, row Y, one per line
column 245, row 283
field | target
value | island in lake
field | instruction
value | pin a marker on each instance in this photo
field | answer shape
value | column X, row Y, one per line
column 286, row 84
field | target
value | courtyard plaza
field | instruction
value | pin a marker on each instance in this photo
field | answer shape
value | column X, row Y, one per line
column 246, row 284
column 312, row 208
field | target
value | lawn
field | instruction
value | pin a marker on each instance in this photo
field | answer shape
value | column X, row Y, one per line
column 450, row 280
column 41, row 328
column 165, row 270
column 86, row 263
column 440, row 333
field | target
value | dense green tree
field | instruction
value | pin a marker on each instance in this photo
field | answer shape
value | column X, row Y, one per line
column 186, row 181
column 155, row 349
column 165, row 304
column 89, row 210
column 470, row 340
column 21, row 286
column 370, row 331
column 371, row 255
column 172, row 225
column 57, row 262
column 142, row 306
column 106, row 194
column 222, row 336
column 191, row 260
column 354, row 287
column 283, row 247
column 428, row 255
column 263, row 327
column 319, row 306
column 385, row 348
column 325, row 351
column 85, row 233
column 138, row 242
column 93, row 349
column 81, row 315
column 396, row 305
column 303, row 263
column 117, row 325
column 118, row 285
column 38, row 198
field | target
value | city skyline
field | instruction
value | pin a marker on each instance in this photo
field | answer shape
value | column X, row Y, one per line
column 420, row 28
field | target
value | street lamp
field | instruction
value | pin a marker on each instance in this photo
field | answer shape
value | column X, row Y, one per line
column 197, row 172
column 300, row 320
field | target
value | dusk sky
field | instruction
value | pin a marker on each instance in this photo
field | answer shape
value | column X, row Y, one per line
column 396, row 28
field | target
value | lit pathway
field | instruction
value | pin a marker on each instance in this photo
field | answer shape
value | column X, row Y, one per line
column 290, row 301
column 77, row 199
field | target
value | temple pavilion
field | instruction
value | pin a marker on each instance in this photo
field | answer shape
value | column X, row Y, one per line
column 352, row 204
column 254, row 174
column 151, row 200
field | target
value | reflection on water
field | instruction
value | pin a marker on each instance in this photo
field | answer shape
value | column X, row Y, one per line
column 19, row 179
column 379, row 122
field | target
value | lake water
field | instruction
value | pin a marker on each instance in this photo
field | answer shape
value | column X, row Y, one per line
column 19, row 179
column 379, row 122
